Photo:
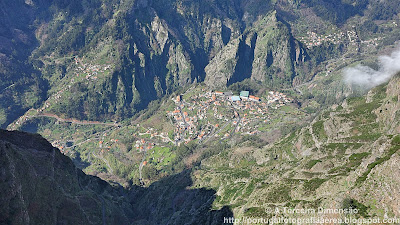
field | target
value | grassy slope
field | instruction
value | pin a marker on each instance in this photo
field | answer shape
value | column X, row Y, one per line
column 324, row 164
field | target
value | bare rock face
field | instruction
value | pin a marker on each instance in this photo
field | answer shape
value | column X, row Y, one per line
column 388, row 112
column 266, row 53
column 222, row 66
column 42, row 186
column 160, row 32
column 277, row 55
column 154, row 47
column 39, row 185
column 179, row 66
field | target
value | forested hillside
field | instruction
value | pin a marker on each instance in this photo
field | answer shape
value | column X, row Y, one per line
column 197, row 110
column 106, row 60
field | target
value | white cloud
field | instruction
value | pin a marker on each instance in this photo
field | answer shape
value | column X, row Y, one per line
column 367, row 77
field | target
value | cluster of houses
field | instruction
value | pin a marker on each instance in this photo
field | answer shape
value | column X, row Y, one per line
column 313, row 39
column 372, row 42
column 90, row 70
column 184, row 123
column 279, row 98
column 58, row 144
column 142, row 145
column 149, row 139
column 205, row 115
column 208, row 111
column 244, row 95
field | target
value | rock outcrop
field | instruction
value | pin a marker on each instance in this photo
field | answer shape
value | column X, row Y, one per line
column 40, row 185
column 277, row 55
column 150, row 48
column 267, row 53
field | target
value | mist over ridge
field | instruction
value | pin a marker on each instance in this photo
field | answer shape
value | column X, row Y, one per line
column 368, row 77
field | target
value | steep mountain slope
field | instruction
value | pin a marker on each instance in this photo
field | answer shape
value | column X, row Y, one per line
column 42, row 186
column 107, row 59
column 149, row 49
column 347, row 157
column 79, row 72
column 21, row 86
column 266, row 53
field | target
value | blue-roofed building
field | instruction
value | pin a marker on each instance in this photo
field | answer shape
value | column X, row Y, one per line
column 235, row 98
column 244, row 94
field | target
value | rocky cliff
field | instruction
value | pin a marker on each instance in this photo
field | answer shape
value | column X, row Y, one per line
column 39, row 185
column 106, row 60
column 42, row 186
column 266, row 53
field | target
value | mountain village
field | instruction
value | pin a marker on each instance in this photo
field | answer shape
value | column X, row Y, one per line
column 220, row 114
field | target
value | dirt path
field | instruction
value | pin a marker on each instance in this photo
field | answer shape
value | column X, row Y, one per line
column 90, row 139
column 217, row 132
column 141, row 167
column 105, row 161
column 8, row 87
column 101, row 136
column 315, row 139
column 237, row 123
column 75, row 121
column 167, row 138
column 212, row 134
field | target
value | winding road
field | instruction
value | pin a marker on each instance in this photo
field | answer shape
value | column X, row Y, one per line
column 75, row 121
column 220, row 129
column 104, row 160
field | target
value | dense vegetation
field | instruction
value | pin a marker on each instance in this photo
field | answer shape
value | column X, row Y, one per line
column 156, row 48
column 337, row 11
column 101, row 80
